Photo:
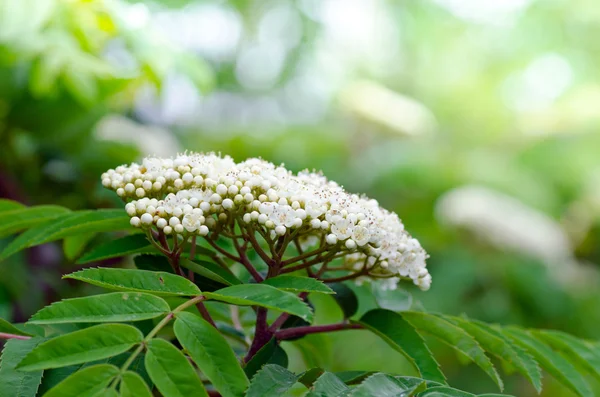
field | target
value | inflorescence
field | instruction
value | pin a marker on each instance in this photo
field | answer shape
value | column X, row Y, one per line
column 203, row 194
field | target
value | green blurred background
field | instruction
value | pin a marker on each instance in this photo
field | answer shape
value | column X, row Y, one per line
column 478, row 122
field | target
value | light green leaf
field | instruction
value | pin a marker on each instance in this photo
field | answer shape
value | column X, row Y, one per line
column 499, row 345
column 107, row 393
column 382, row 385
column 211, row 270
column 74, row 245
column 456, row 338
column 396, row 300
column 329, row 385
column 171, row 372
column 113, row 307
column 271, row 381
column 160, row 283
column 211, row 352
column 298, row 284
column 132, row 244
column 18, row 383
column 401, row 336
column 67, row 225
column 265, row 296
column 443, row 391
column 8, row 328
column 89, row 344
column 555, row 364
column 10, row 205
column 133, row 385
column 87, row 382
column 20, row 218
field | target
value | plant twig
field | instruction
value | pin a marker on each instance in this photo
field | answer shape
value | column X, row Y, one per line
column 5, row 335
column 295, row 332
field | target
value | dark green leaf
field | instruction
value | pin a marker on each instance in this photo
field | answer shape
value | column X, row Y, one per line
column 87, row 382
column 353, row 377
column 555, row 364
column 401, row 336
column 8, row 328
column 270, row 353
column 307, row 378
column 345, row 298
column 17, row 219
column 329, row 385
column 160, row 283
column 211, row 352
column 298, row 284
column 383, row 385
column 271, row 381
column 153, row 263
column 18, row 383
column 132, row 244
column 211, row 270
column 133, row 385
column 113, row 307
column 265, row 296
column 443, row 391
column 89, row 344
column 171, row 372
column 456, row 338
column 67, row 225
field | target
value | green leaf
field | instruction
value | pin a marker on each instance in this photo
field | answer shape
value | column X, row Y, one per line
column 113, row 307
column 353, row 377
column 270, row 353
column 74, row 245
column 579, row 351
column 67, row 225
column 265, row 296
column 298, row 284
column 87, row 382
column 8, row 328
column 160, row 283
column 499, row 345
column 171, row 372
column 345, row 298
column 132, row 244
column 456, row 338
column 153, row 263
column 555, row 364
column 20, row 218
column 307, row 378
column 444, row 391
column 211, row 352
column 329, row 385
column 401, row 336
column 382, row 385
column 18, row 383
column 133, row 385
column 210, row 270
column 89, row 344
column 271, row 381
column 10, row 205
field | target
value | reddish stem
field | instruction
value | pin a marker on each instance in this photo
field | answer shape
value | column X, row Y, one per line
column 4, row 335
column 313, row 329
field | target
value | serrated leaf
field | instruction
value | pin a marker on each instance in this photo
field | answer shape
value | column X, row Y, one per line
column 8, row 328
column 20, row 218
column 401, row 336
column 74, row 245
column 69, row 224
column 345, row 298
column 86, row 382
column 264, row 296
column 171, row 372
column 308, row 377
column 456, row 338
column 353, row 377
column 329, row 385
column 271, row 381
column 160, row 283
column 211, row 353
column 132, row 244
column 10, row 205
column 16, row 383
column 577, row 350
column 210, row 270
column 383, row 385
column 509, row 352
column 89, row 344
column 133, row 385
column 555, row 364
column 113, row 307
column 444, row 391
column 298, row 284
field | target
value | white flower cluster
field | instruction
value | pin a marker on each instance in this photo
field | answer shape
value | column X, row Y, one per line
column 199, row 193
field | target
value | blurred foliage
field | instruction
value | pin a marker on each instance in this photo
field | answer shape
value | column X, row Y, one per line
column 502, row 95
